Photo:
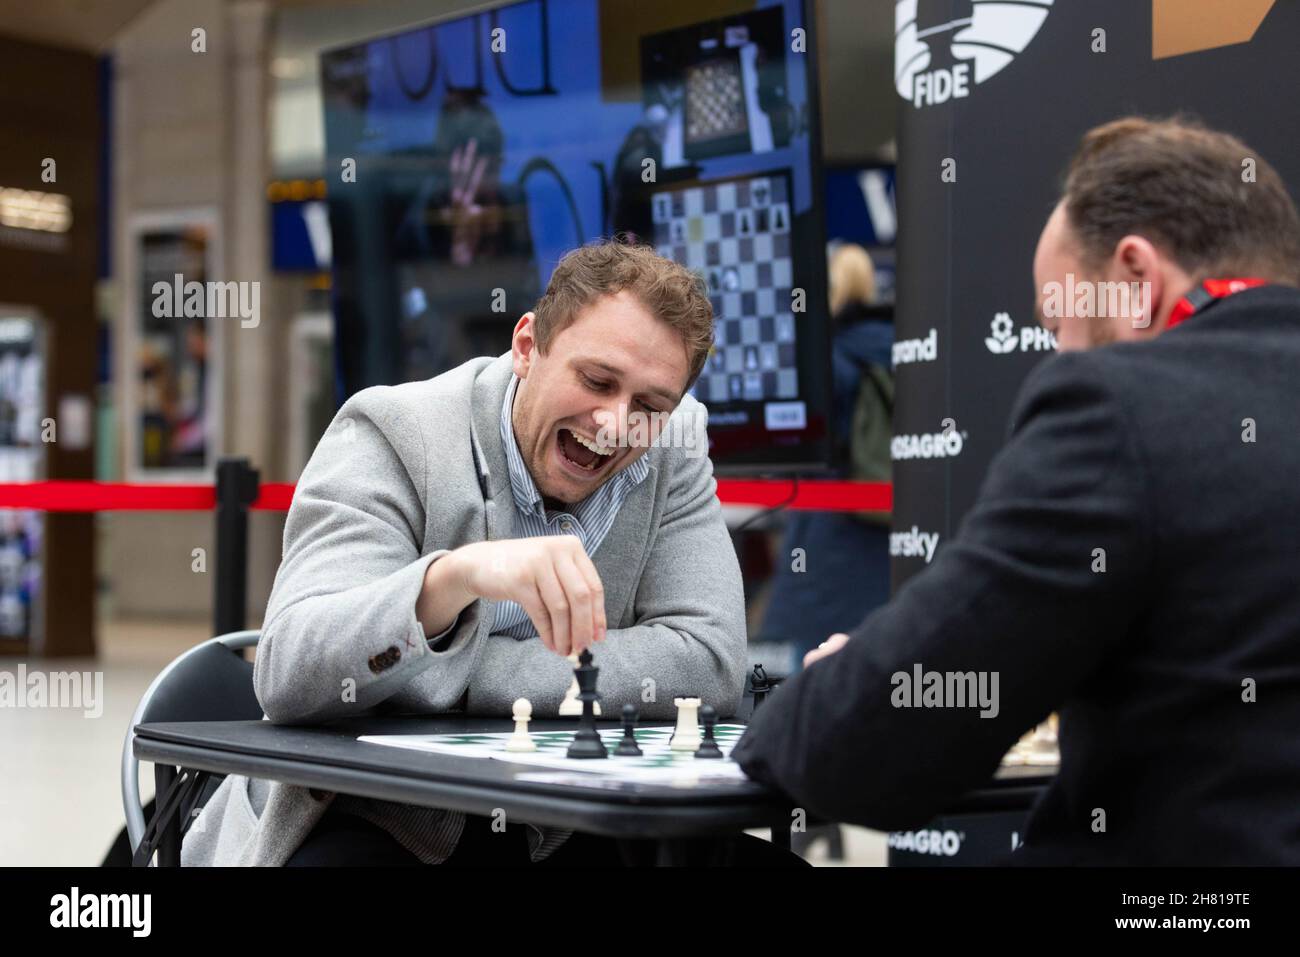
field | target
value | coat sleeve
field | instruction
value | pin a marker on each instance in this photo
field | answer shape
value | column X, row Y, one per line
column 340, row 633
column 1019, row 596
column 689, row 636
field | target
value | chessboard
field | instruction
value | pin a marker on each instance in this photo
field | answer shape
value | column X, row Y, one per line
column 656, row 765
column 736, row 236
column 716, row 121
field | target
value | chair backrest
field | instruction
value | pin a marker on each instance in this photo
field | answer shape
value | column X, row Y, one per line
column 210, row 682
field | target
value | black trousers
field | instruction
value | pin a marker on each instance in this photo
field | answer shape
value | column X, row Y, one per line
column 344, row 840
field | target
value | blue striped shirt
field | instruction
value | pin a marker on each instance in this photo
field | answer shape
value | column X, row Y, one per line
column 590, row 519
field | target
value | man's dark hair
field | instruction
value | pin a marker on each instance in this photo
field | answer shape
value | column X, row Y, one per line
column 1184, row 187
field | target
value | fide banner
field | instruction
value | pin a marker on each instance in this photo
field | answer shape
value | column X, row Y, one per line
column 993, row 97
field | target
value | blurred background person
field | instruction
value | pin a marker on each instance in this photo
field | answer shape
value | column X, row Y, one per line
column 845, row 572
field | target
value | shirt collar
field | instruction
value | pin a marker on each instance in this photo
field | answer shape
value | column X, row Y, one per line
column 524, row 489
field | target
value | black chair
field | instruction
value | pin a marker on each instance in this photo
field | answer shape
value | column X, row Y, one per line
column 210, row 682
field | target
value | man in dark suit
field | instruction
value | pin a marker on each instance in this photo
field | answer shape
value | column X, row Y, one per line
column 1133, row 560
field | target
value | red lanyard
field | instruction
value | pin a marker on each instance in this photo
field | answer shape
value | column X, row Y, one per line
column 1206, row 293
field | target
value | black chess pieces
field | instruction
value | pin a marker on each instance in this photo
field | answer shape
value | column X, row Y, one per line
column 709, row 746
column 760, row 684
column 628, row 748
column 586, row 743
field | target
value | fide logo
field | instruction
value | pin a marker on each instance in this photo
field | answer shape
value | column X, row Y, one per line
column 1003, row 339
column 939, row 42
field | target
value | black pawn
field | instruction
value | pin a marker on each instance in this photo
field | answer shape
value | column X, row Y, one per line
column 586, row 743
column 628, row 748
column 709, row 746
column 760, row 684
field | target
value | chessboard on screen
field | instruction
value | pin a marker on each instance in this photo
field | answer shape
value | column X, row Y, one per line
column 723, row 86
column 735, row 234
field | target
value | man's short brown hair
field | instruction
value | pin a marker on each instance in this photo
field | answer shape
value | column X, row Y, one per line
column 1184, row 187
column 669, row 291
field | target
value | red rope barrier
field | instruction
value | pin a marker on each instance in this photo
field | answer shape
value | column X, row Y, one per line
column 66, row 496
column 813, row 495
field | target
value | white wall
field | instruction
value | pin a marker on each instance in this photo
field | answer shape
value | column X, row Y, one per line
column 190, row 131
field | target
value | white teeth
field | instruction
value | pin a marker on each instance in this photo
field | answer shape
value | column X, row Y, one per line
column 592, row 446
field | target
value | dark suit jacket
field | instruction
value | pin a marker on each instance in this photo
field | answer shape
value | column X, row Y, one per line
column 1137, row 449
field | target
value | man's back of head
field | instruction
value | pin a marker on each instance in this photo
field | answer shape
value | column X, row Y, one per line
column 1164, row 204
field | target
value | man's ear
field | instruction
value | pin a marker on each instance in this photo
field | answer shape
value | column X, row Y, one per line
column 1139, row 263
column 1136, row 258
column 524, row 345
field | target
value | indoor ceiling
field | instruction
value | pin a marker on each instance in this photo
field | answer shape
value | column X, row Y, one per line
column 92, row 24
column 80, row 24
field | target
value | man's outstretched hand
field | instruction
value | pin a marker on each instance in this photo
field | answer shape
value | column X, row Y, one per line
column 827, row 648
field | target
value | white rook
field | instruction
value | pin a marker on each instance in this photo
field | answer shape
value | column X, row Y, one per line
column 686, row 737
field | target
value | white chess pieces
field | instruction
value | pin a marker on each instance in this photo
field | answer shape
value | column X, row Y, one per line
column 571, row 707
column 520, row 740
column 1036, row 748
column 1043, row 748
column 686, row 736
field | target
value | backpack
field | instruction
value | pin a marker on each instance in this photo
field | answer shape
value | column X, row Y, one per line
column 870, row 431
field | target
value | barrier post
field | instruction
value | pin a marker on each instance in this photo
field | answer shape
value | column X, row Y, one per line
column 237, row 487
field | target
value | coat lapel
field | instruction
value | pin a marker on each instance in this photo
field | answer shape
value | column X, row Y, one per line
column 488, row 395
column 618, row 560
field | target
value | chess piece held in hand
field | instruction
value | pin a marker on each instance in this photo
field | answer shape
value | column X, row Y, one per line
column 587, row 743
column 571, row 707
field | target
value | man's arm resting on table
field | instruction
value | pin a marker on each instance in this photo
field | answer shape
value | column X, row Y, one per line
column 341, row 633
column 1015, row 601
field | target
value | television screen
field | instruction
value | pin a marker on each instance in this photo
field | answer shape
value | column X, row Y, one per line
column 860, row 208
column 465, row 158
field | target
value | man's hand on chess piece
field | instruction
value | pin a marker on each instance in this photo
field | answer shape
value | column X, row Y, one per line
column 827, row 648
column 551, row 578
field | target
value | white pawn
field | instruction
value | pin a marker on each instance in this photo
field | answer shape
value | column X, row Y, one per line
column 521, row 740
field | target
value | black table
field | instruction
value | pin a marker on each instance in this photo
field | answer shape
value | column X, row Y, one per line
column 685, row 824
column 688, row 824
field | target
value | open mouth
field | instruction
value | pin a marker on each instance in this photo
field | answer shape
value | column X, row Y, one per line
column 582, row 453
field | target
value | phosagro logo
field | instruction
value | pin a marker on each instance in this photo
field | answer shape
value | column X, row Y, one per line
column 942, row 47
column 939, row 843
column 1003, row 337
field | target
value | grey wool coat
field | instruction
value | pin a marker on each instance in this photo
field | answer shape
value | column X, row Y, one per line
column 397, row 480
